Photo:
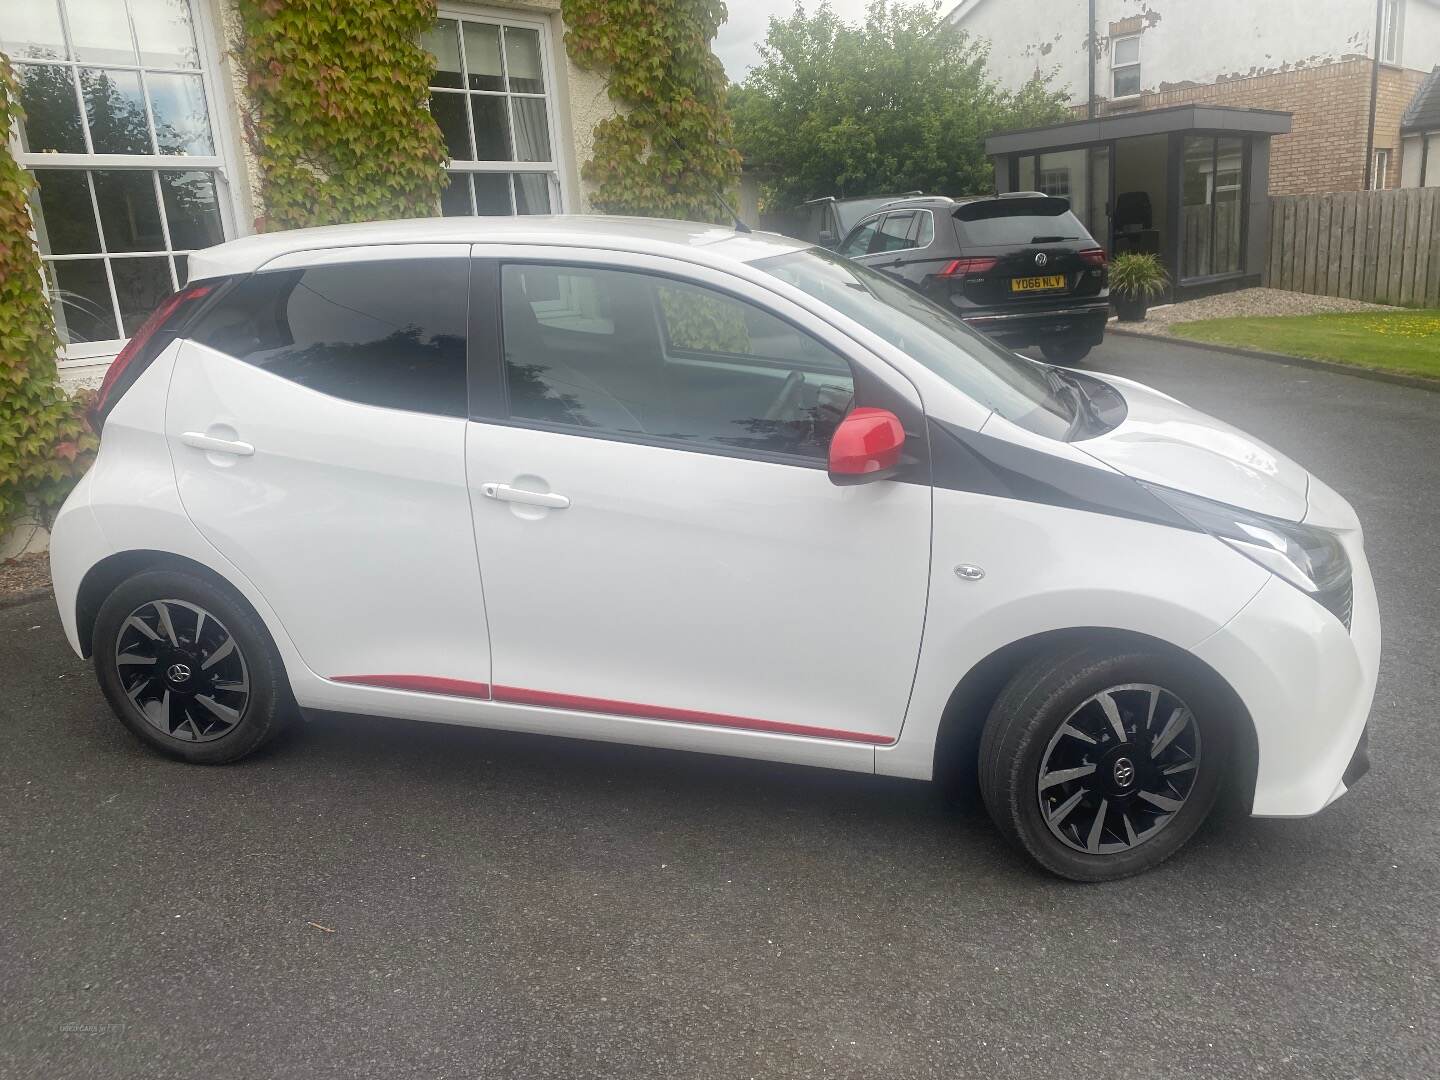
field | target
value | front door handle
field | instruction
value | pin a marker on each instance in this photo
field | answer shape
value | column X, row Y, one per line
column 211, row 445
column 506, row 493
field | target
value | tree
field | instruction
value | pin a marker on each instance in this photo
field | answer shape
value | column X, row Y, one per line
column 900, row 103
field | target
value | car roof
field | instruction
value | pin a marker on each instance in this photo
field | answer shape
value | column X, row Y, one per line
column 691, row 240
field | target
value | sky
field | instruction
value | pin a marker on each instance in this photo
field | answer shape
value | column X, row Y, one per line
column 735, row 44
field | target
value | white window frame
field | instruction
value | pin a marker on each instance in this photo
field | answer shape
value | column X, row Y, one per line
column 1116, row 68
column 221, row 164
column 1050, row 177
column 1380, row 169
column 1392, row 32
column 561, row 197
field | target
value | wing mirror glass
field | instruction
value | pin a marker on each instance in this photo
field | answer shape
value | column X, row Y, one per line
column 868, row 445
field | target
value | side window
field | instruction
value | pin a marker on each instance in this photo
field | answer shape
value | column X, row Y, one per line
column 858, row 242
column 678, row 364
column 894, row 234
column 927, row 229
column 379, row 333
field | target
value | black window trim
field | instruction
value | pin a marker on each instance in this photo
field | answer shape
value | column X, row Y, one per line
column 489, row 391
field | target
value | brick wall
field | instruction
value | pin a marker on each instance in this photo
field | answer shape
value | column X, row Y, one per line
column 1330, row 106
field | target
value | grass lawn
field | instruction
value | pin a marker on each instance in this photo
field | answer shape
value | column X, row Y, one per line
column 1407, row 341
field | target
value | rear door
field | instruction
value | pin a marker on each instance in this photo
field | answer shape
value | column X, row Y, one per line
column 1036, row 243
column 316, row 420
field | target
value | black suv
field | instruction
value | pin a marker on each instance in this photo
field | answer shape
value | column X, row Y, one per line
column 826, row 221
column 1018, row 266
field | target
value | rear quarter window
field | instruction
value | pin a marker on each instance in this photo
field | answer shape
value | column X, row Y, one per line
column 1009, row 223
column 389, row 333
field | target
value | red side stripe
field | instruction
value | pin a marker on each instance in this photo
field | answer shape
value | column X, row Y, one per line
column 545, row 699
column 425, row 684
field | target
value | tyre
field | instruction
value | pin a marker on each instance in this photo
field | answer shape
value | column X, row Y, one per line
column 1101, row 765
column 1066, row 352
column 189, row 668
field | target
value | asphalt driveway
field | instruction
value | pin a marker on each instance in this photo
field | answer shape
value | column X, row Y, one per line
column 394, row 899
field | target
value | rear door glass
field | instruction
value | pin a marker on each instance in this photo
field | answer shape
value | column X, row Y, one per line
column 389, row 333
column 895, row 232
column 1017, row 223
column 858, row 242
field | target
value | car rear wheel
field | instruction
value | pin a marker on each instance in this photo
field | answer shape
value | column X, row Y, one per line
column 1066, row 352
column 188, row 668
column 1100, row 766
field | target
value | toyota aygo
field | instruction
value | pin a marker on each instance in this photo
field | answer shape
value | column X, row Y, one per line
column 681, row 486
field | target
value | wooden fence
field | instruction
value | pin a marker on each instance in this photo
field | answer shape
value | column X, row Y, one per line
column 1382, row 246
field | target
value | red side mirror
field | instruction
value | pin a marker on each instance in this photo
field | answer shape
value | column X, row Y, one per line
column 866, row 446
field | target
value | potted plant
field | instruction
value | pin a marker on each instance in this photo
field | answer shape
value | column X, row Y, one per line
column 1134, row 279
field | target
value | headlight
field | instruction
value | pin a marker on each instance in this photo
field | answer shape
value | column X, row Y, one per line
column 1311, row 559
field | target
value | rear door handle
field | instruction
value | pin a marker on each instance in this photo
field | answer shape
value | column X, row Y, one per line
column 211, row 445
column 506, row 493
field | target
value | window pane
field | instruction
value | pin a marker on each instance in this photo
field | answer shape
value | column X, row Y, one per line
column 100, row 31
column 492, row 194
column 182, row 123
column 532, row 193
column 129, row 215
column 858, row 242
column 1195, row 213
column 441, row 42
column 1127, row 51
column 191, row 209
column 140, row 285
column 52, row 111
column 522, row 51
column 80, row 298
column 607, row 350
column 449, row 113
column 32, row 28
column 1127, row 81
column 115, row 110
column 532, row 134
column 482, row 56
column 182, row 270
column 1228, row 209
column 380, row 333
column 894, row 232
column 455, row 199
column 492, row 128
column 64, row 218
column 167, row 38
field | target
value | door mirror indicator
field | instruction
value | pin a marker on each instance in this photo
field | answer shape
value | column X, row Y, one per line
column 868, row 445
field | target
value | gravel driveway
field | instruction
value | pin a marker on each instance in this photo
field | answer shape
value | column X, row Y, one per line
column 1245, row 303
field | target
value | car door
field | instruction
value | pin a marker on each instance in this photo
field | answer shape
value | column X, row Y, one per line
column 316, row 420
column 659, row 536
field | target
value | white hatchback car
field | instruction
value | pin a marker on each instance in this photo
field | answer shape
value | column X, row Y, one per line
column 670, row 484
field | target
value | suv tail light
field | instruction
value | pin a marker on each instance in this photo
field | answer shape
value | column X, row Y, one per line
column 975, row 264
column 145, row 345
column 1094, row 257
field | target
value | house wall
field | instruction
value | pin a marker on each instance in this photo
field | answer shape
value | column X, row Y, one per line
column 1184, row 42
column 1305, row 57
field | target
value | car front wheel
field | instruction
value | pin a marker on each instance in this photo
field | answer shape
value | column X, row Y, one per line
column 188, row 668
column 1100, row 765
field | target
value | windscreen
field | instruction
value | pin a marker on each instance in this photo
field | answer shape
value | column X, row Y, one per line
column 1017, row 388
column 1017, row 222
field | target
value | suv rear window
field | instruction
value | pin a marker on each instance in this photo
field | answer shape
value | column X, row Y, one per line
column 1011, row 222
column 388, row 333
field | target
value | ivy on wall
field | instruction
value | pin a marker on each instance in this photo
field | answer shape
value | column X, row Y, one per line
column 338, row 119
column 669, row 150
column 45, row 443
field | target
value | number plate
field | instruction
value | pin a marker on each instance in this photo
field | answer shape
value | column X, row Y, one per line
column 1037, row 284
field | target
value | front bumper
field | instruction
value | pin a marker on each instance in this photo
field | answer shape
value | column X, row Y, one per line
column 1308, row 686
column 1084, row 322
